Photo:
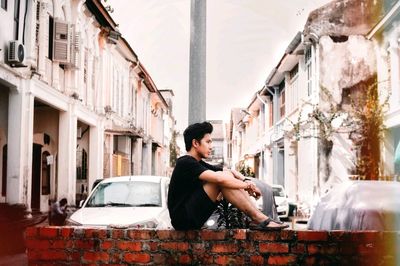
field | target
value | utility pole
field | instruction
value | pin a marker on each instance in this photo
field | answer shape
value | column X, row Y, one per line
column 197, row 68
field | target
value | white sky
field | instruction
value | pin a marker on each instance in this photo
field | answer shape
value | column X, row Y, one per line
column 245, row 40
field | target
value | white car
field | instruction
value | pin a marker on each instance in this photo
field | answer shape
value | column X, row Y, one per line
column 281, row 200
column 124, row 202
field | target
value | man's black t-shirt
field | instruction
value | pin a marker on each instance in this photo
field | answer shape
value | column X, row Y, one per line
column 184, row 182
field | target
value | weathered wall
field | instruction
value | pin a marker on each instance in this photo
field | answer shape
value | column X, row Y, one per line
column 78, row 246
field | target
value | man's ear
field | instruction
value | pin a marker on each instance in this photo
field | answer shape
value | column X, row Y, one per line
column 195, row 143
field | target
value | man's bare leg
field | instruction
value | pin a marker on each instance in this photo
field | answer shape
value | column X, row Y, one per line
column 240, row 199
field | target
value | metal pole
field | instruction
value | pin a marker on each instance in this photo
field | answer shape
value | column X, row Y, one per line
column 197, row 68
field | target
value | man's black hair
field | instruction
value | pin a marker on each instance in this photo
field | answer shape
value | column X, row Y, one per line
column 196, row 131
column 63, row 202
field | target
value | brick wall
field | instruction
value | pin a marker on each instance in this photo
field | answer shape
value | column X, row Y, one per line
column 77, row 246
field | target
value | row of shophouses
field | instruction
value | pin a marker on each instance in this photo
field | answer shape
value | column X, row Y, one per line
column 344, row 45
column 76, row 104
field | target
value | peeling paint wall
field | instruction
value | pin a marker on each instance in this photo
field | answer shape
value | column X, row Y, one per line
column 345, row 64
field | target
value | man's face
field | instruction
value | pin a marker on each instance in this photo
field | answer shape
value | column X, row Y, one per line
column 204, row 147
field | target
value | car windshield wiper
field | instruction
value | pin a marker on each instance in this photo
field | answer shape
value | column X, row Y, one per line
column 147, row 205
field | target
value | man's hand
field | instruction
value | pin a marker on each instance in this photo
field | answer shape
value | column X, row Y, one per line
column 253, row 190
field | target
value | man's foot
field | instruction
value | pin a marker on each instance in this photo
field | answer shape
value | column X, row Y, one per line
column 268, row 225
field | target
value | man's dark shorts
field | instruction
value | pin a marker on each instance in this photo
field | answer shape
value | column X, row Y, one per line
column 196, row 212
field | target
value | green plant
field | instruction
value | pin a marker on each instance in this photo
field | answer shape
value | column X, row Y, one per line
column 230, row 217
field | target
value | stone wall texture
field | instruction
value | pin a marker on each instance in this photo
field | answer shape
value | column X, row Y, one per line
column 78, row 246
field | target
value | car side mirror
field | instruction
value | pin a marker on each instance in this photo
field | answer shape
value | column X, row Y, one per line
column 81, row 203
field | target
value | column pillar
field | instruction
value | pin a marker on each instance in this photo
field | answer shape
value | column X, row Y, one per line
column 19, row 152
column 96, row 153
column 67, row 155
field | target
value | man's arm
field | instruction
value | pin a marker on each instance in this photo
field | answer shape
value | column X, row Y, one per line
column 238, row 175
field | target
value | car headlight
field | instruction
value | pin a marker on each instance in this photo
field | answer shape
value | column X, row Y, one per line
column 144, row 224
column 72, row 222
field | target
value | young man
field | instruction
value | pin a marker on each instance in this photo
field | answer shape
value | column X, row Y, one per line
column 196, row 185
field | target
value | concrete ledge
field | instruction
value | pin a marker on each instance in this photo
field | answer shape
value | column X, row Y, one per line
column 79, row 246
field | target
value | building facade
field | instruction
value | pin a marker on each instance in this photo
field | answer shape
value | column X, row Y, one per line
column 76, row 103
column 294, row 131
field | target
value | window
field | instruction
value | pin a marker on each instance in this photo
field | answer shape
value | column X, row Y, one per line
column 308, row 70
column 3, row 4
column 16, row 19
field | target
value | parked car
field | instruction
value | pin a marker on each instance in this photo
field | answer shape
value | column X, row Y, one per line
column 128, row 201
column 281, row 200
column 359, row 205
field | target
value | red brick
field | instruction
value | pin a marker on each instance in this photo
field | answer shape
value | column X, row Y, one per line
column 185, row 259
column 340, row 236
column 54, row 255
column 287, row 235
column 213, row 235
column 137, row 258
column 140, row 234
column 107, row 244
column 159, row 259
column 48, row 232
column 66, row 232
column 198, row 248
column 256, row 260
column 347, row 248
column 298, row 248
column 37, row 244
column 84, row 244
column 228, row 260
column 192, row 235
column 96, row 257
column 129, row 245
column 274, row 247
column 312, row 235
column 322, row 249
column 204, row 259
column 224, row 247
column 248, row 246
column 257, row 235
column 239, row 234
column 281, row 259
column 149, row 246
column 367, row 248
column 31, row 232
column 95, row 233
column 118, row 233
column 365, row 236
column 62, row 244
column 75, row 256
column 181, row 246
column 170, row 234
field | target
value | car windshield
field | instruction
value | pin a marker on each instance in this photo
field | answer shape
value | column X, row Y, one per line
column 278, row 192
column 126, row 194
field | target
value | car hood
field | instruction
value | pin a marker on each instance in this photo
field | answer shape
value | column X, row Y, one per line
column 115, row 215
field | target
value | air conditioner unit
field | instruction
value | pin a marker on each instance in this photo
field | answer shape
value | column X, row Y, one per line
column 61, row 42
column 16, row 54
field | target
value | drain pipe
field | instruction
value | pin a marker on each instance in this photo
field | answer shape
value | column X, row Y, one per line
column 274, row 93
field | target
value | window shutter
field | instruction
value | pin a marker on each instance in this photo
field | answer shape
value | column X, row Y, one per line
column 61, row 42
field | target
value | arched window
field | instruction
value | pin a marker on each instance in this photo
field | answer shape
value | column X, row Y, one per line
column 46, row 167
